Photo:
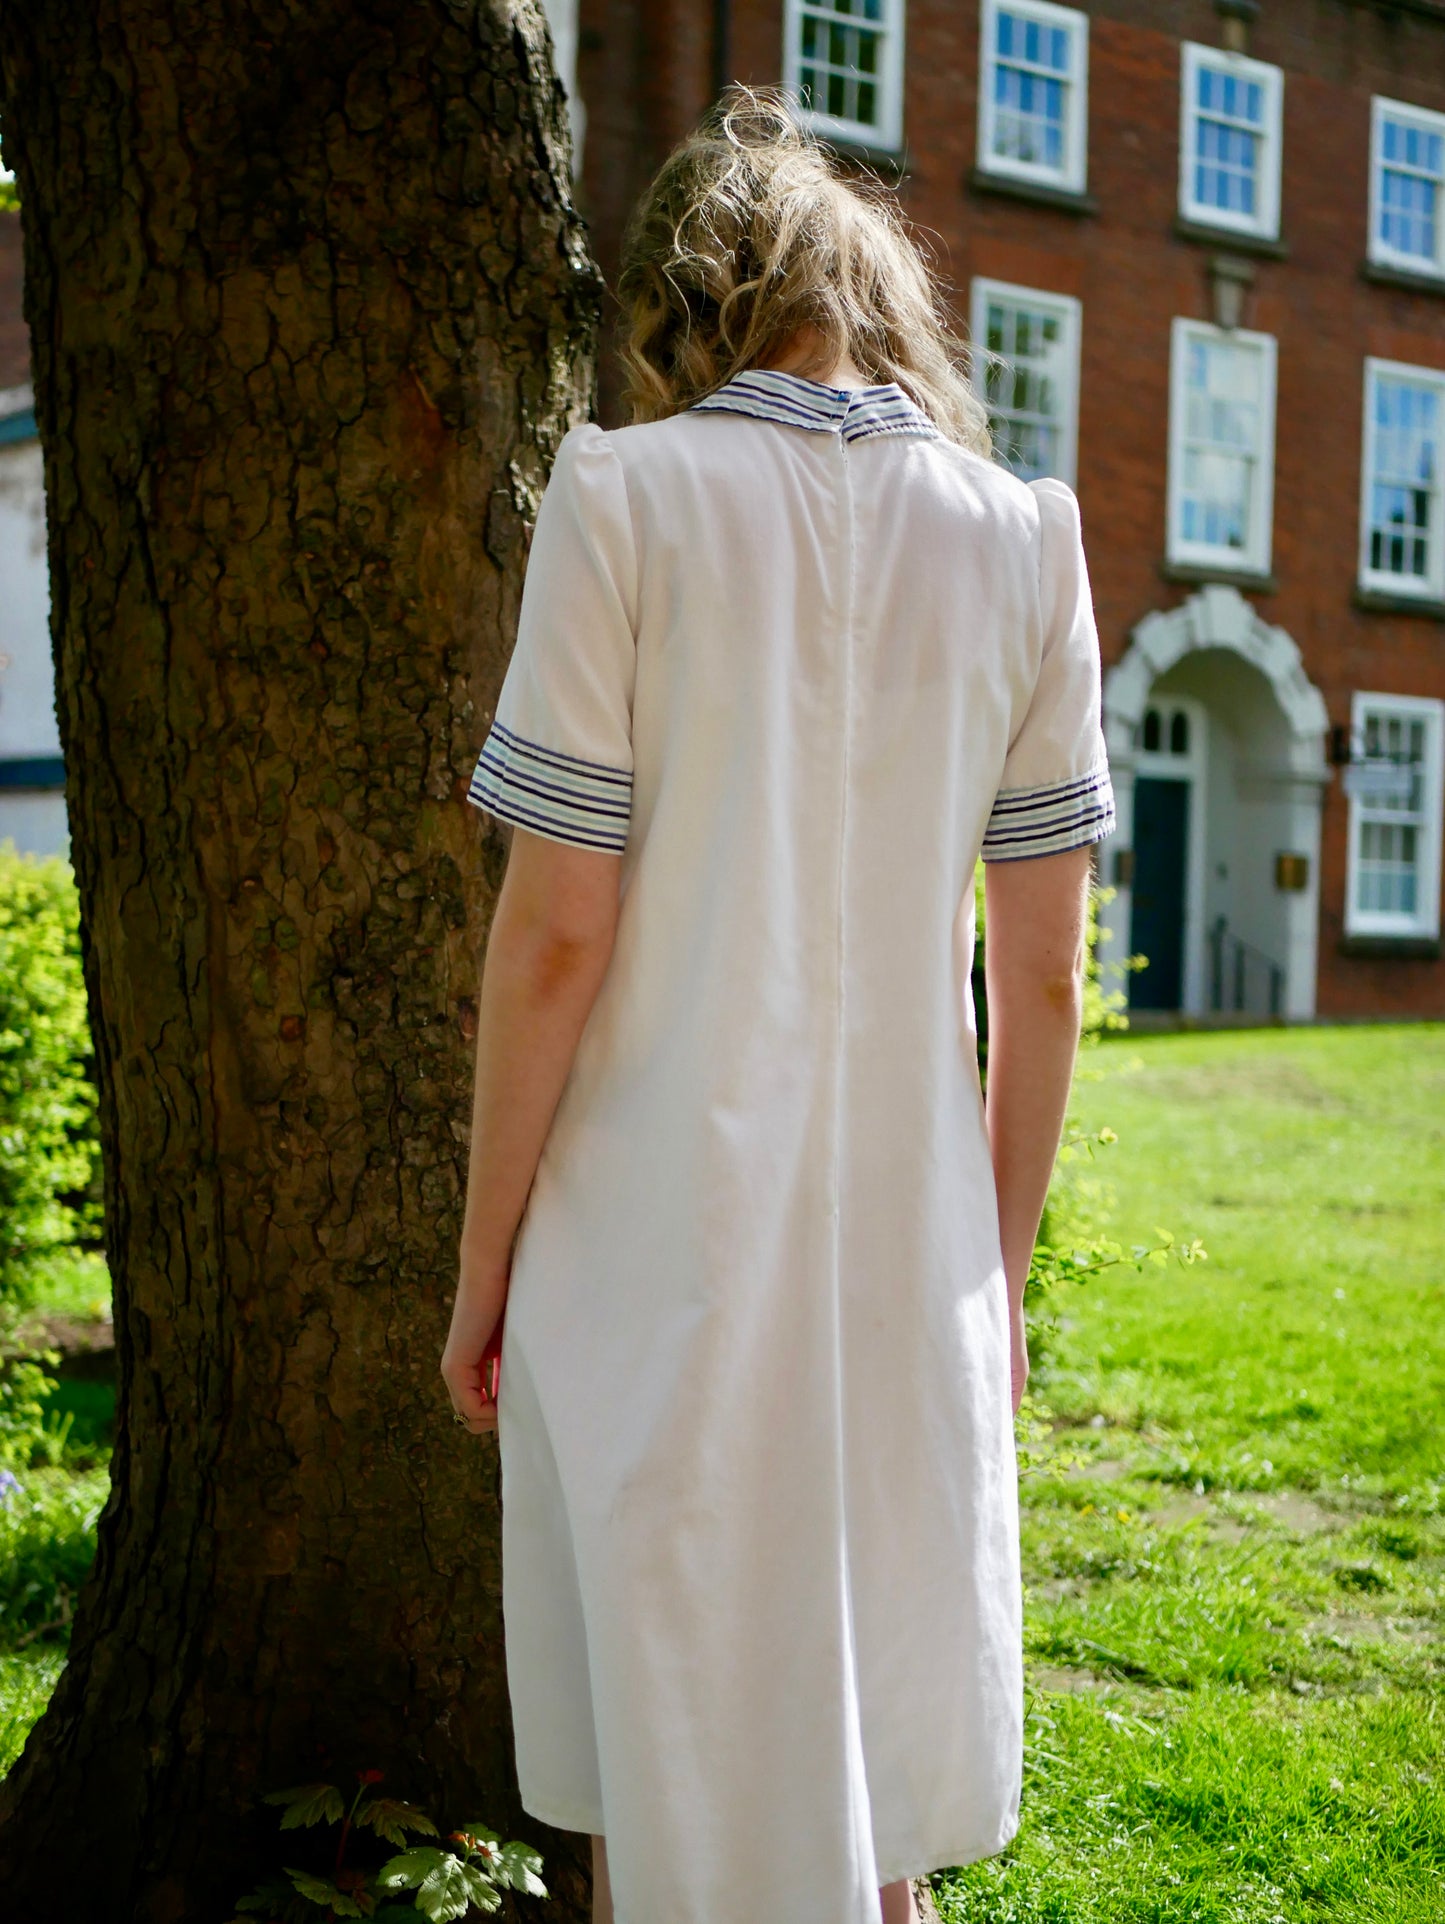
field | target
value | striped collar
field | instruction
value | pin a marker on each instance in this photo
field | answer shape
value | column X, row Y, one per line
column 768, row 395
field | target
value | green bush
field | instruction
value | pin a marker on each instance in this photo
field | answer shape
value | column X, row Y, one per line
column 48, row 1140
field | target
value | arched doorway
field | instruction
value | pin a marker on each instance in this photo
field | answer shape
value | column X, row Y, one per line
column 1216, row 741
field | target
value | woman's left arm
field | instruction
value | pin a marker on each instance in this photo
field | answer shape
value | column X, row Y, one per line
column 550, row 943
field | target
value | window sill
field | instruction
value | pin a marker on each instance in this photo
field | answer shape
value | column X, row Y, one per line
column 33, row 772
column 1378, row 601
column 1415, row 283
column 19, row 426
column 1066, row 199
column 1229, row 239
column 1403, row 948
column 1200, row 573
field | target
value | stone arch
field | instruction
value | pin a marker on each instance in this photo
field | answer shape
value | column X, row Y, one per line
column 1271, row 725
column 1216, row 617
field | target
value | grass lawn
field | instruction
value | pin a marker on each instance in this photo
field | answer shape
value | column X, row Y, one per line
column 1234, row 1621
column 1234, row 1614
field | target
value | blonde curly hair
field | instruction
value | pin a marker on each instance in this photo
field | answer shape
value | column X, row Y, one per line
column 750, row 232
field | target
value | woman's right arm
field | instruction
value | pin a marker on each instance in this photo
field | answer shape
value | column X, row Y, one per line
column 1034, row 941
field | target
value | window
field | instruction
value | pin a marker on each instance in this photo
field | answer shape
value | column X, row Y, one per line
column 1033, row 93
column 1164, row 730
column 1394, row 786
column 1401, row 550
column 1221, row 447
column 844, row 61
column 1229, row 141
column 1407, row 168
column 1026, row 370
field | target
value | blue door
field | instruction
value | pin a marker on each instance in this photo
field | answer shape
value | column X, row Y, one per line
column 1161, row 862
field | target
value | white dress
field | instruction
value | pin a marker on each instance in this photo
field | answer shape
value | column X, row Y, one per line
column 799, row 659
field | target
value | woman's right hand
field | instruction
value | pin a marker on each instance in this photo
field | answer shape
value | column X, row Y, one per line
column 477, row 1313
column 1018, row 1343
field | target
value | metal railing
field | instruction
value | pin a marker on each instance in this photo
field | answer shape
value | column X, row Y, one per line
column 1242, row 979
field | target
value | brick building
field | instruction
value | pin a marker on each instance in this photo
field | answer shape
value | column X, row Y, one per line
column 1208, row 241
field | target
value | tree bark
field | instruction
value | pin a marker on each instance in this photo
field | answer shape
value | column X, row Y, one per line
column 310, row 310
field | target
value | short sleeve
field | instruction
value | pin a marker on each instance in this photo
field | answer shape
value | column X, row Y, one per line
column 558, row 757
column 1055, row 793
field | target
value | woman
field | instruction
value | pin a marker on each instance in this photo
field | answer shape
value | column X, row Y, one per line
column 792, row 652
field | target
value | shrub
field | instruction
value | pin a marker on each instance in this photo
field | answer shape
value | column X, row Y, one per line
column 48, row 1139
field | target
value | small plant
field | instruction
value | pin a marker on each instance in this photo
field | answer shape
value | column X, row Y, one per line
column 447, row 1883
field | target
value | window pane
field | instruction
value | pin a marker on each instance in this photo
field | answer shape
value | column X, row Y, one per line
column 842, row 42
column 1405, row 479
column 1392, row 840
column 1028, row 390
column 1031, row 91
column 1229, row 127
column 1412, row 162
column 1222, row 438
column 1387, row 879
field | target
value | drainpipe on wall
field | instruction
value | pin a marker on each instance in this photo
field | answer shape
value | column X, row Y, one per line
column 722, row 56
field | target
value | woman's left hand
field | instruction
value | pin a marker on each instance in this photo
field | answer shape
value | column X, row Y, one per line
column 478, row 1309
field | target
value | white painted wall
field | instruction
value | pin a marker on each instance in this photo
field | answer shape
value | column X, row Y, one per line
column 562, row 24
column 27, row 685
column 1247, row 810
column 35, row 822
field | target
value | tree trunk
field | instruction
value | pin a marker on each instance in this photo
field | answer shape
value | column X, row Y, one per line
column 310, row 309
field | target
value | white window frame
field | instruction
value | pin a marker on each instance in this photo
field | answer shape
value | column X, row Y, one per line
column 1254, row 558
column 1071, row 177
column 1380, row 580
column 1263, row 224
column 1378, row 250
column 887, row 136
column 1425, row 922
column 1070, row 312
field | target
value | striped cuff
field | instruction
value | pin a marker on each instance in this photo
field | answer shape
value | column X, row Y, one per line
column 585, row 803
column 1048, row 820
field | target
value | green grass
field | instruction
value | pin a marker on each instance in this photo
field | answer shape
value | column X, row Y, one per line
column 1234, row 1624
column 48, row 1515
column 1236, row 1584
column 47, row 1542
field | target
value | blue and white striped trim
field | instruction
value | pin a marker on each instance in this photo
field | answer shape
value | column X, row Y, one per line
column 1048, row 820
column 571, row 800
column 765, row 394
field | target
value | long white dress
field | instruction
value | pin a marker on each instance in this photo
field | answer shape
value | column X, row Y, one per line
column 799, row 659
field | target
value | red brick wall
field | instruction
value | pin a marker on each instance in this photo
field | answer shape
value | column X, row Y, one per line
column 1133, row 276
column 646, row 70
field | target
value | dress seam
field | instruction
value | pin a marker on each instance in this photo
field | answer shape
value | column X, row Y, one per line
column 863, row 1843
